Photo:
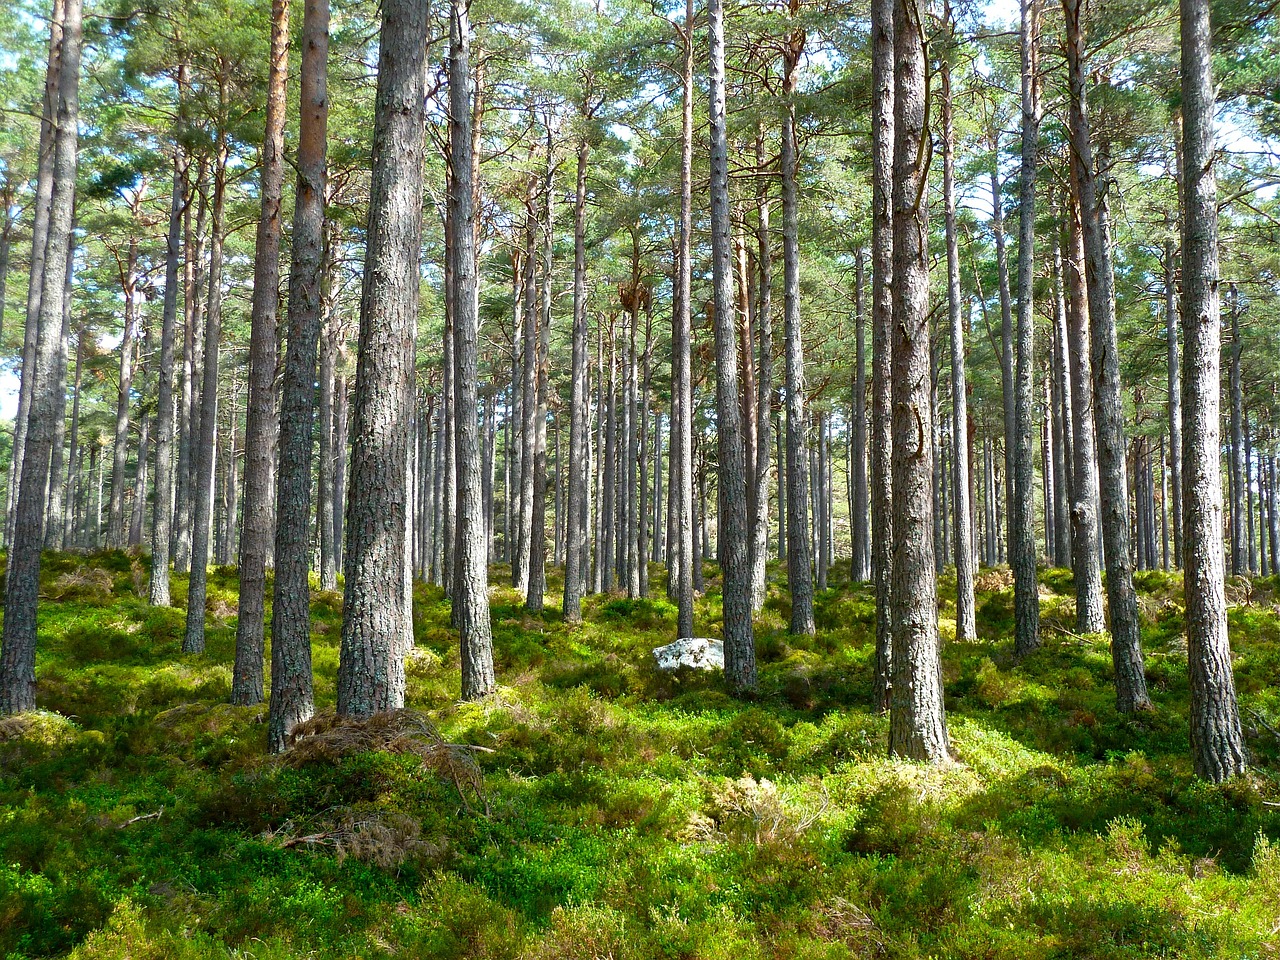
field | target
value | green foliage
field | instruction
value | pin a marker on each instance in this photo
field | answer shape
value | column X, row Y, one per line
column 633, row 814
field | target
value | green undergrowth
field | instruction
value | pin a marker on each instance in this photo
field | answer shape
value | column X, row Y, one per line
column 627, row 813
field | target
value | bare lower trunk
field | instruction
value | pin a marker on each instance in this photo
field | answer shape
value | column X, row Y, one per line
column 22, row 576
column 203, row 451
column 1217, row 747
column 882, row 307
column 917, row 718
column 261, row 421
column 371, row 664
column 739, row 642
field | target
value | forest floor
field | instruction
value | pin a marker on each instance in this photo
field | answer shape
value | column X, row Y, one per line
column 624, row 813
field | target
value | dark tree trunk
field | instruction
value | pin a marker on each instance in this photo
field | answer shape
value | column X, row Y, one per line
column 859, row 531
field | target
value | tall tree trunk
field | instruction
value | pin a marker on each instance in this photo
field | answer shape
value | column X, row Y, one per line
column 799, row 561
column 40, row 225
column 124, row 396
column 1086, row 545
column 681, row 448
column 1007, row 389
column 1217, row 747
column 739, row 642
column 542, row 367
column 53, row 526
column 292, row 700
column 471, row 596
column 330, row 518
column 882, row 307
column 162, row 511
column 371, row 664
column 70, row 529
column 189, row 403
column 762, row 320
column 1063, row 418
column 917, row 717
column 580, row 414
column 1238, row 466
column 1126, row 647
column 261, row 419
column 1171, row 320
column 966, row 626
column 22, row 578
column 859, row 530
column 203, row 451
column 1022, row 544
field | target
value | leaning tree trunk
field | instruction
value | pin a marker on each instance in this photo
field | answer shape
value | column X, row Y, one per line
column 261, row 419
column 1217, row 747
column 292, row 700
column 739, row 643
column 22, row 579
column 203, row 451
column 1022, row 544
column 917, row 718
column 966, row 626
column 371, row 664
column 1126, row 646
column 882, row 307
column 471, row 596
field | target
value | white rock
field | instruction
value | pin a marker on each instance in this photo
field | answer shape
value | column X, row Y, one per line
column 696, row 653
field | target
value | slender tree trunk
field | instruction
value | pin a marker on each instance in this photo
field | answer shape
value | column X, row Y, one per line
column 917, row 717
column 203, row 452
column 882, row 307
column 1063, row 419
column 262, row 421
column 189, row 404
column 330, row 518
column 54, row 507
column 1217, row 747
column 371, row 664
column 1022, row 544
column 292, row 699
column 537, row 585
column 22, row 576
column 1085, row 538
column 471, row 596
column 966, row 626
column 1171, row 320
column 739, row 643
column 40, row 225
column 859, row 530
column 71, row 515
column 1237, row 436
column 139, row 483
column 1007, row 388
column 762, row 320
column 124, row 396
column 799, row 561
column 1126, row 648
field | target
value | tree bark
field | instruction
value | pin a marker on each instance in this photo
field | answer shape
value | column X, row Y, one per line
column 22, row 577
column 371, row 664
column 882, row 307
column 262, row 421
column 739, row 643
column 1126, row 646
column 203, row 451
column 917, row 717
column 471, row 596
column 1217, row 747
column 292, row 700
column 966, row 626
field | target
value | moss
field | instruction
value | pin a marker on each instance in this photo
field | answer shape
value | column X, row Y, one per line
column 633, row 813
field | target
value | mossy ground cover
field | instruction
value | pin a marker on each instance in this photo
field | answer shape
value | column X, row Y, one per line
column 632, row 814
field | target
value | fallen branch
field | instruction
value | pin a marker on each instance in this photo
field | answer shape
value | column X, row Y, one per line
column 1263, row 723
column 139, row 819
